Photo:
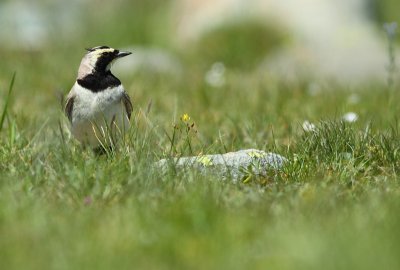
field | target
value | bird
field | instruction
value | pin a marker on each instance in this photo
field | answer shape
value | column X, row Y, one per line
column 98, row 107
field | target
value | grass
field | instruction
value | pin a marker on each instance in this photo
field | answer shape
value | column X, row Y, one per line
column 4, row 112
column 334, row 206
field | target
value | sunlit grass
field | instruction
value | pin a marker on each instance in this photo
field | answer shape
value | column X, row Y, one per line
column 336, row 197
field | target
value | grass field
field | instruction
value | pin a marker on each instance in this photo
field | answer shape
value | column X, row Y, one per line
column 335, row 205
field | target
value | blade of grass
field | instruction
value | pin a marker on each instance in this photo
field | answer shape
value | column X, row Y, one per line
column 4, row 113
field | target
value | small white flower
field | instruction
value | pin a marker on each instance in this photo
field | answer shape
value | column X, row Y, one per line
column 215, row 76
column 308, row 126
column 350, row 117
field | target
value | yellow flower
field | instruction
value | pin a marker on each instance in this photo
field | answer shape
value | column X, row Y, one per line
column 206, row 161
column 256, row 154
column 185, row 117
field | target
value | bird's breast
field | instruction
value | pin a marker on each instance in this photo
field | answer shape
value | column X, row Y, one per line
column 95, row 112
column 89, row 105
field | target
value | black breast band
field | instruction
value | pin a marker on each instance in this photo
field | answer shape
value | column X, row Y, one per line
column 97, row 82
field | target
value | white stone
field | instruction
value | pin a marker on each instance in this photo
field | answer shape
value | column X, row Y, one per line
column 232, row 165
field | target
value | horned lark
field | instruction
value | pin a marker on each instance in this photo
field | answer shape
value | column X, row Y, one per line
column 97, row 106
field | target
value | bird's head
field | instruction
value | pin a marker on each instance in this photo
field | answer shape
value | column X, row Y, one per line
column 99, row 59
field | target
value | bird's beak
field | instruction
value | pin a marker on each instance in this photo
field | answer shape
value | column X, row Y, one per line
column 122, row 54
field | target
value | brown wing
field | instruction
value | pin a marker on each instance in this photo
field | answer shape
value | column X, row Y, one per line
column 127, row 104
column 69, row 105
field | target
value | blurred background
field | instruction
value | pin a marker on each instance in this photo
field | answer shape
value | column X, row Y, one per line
column 172, row 40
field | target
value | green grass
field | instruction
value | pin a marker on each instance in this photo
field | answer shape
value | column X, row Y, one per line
column 334, row 206
column 8, row 97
